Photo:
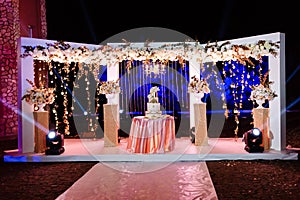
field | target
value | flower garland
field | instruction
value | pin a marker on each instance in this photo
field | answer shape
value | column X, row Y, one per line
column 58, row 51
column 108, row 55
column 242, row 53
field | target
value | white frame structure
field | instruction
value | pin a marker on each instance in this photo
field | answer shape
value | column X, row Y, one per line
column 277, row 74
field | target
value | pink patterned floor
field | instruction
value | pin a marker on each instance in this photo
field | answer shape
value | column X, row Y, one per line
column 140, row 180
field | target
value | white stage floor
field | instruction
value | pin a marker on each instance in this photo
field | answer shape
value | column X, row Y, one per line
column 94, row 150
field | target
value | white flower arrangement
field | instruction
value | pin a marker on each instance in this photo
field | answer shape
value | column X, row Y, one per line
column 198, row 86
column 109, row 87
column 38, row 96
column 262, row 92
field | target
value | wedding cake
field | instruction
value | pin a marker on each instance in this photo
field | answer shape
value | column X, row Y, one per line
column 153, row 105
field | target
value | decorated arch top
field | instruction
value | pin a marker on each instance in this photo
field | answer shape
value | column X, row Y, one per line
column 107, row 55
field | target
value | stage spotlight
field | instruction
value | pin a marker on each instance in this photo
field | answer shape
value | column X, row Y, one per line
column 253, row 141
column 54, row 143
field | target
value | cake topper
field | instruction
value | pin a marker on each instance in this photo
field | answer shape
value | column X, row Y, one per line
column 152, row 96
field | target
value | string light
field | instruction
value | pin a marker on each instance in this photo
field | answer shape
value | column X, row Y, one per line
column 154, row 68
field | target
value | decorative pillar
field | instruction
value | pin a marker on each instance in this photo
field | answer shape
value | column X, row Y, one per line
column 12, row 16
column 9, row 32
column 261, row 119
column 200, row 124
column 111, row 125
column 41, row 129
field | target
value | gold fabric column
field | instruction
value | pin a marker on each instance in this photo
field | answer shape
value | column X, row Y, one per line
column 41, row 119
column 111, row 125
column 200, row 124
column 261, row 120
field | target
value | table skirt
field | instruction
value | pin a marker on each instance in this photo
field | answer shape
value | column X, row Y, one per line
column 151, row 135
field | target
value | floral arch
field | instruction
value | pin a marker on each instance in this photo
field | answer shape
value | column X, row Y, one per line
column 94, row 56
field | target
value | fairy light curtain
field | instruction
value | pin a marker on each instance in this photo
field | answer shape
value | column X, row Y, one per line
column 88, row 104
column 61, row 76
column 135, row 85
column 40, row 73
column 76, row 109
column 237, row 78
column 100, row 100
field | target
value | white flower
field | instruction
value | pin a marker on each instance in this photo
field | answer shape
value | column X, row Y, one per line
column 197, row 86
column 109, row 87
column 39, row 96
column 261, row 92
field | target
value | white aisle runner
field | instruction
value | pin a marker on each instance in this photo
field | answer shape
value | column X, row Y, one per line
column 143, row 180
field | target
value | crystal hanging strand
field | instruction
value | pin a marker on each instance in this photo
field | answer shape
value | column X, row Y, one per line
column 124, row 94
column 140, row 88
column 176, row 79
column 145, row 88
column 187, row 79
column 167, row 82
column 163, row 102
column 182, row 86
column 173, row 96
column 129, row 91
column 133, row 90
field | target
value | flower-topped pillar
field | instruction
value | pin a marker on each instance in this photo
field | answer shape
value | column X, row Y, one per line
column 200, row 87
column 39, row 97
column 261, row 115
column 111, row 89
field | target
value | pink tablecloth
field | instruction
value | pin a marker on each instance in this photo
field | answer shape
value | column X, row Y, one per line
column 151, row 135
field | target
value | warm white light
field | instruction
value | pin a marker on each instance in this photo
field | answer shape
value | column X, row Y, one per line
column 154, row 68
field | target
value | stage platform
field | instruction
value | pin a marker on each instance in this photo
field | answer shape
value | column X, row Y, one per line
column 185, row 150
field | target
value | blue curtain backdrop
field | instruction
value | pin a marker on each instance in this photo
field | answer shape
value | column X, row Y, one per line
column 135, row 86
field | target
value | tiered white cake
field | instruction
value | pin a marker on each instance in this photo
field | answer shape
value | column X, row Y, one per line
column 153, row 110
column 153, row 106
